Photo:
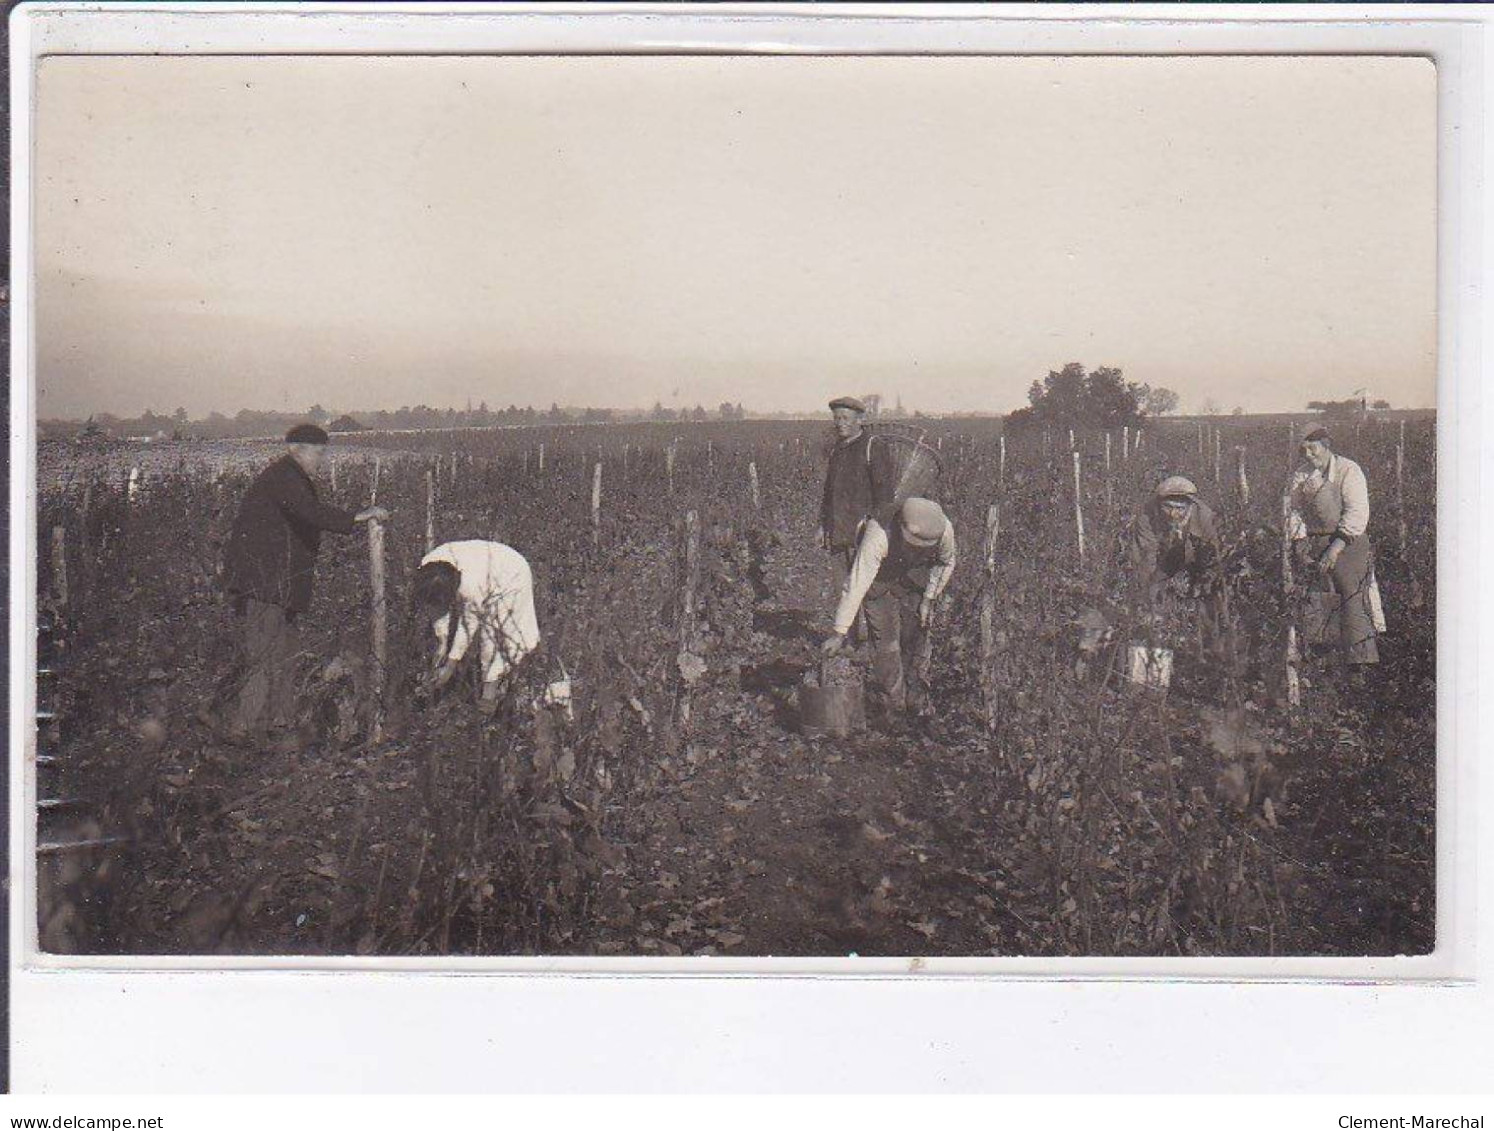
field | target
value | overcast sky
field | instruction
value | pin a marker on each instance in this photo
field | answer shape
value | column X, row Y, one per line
column 269, row 233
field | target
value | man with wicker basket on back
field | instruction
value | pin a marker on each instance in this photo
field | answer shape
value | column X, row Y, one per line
column 902, row 555
column 848, row 485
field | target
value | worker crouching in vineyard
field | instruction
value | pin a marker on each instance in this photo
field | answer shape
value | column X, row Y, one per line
column 1177, row 537
column 268, row 569
column 483, row 591
column 1329, row 523
column 899, row 579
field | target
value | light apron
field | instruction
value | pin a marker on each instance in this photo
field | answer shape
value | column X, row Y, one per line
column 1347, row 607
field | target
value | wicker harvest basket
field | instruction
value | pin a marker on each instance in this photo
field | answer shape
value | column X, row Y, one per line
column 903, row 465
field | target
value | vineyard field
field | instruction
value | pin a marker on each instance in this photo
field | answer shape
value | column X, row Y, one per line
column 1048, row 808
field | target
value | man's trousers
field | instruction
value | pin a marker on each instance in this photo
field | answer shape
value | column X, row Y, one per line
column 267, row 695
column 900, row 646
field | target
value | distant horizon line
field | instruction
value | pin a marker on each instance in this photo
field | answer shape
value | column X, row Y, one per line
column 574, row 415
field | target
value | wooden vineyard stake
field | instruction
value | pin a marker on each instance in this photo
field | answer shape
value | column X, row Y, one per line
column 373, row 494
column 1293, row 683
column 1293, row 679
column 1071, row 440
column 596, row 505
column 691, row 581
column 669, row 464
column 1200, row 442
column 757, row 502
column 1078, row 508
column 430, row 510
column 1001, row 462
column 59, row 566
column 710, row 454
column 993, row 531
column 331, row 475
column 86, row 508
column 526, row 463
column 1137, row 446
column 542, row 459
column 1125, row 443
column 1400, row 485
column 1242, row 481
column 132, row 488
column 380, row 628
column 1109, row 480
column 988, row 683
column 1291, row 445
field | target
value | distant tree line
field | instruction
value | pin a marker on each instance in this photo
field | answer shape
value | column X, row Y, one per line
column 1350, row 407
column 726, row 411
column 252, row 422
column 1100, row 398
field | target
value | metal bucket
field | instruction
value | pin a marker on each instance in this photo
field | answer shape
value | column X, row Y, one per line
column 1149, row 667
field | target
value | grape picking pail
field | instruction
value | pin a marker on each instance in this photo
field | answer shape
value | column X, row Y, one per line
column 1149, row 667
column 832, row 700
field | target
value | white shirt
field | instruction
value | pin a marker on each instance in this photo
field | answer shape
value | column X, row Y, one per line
column 870, row 554
column 1348, row 477
column 497, row 593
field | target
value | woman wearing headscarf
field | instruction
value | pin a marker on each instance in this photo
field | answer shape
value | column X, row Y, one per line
column 1329, row 525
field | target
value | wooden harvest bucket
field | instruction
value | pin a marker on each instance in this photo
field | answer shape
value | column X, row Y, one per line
column 832, row 701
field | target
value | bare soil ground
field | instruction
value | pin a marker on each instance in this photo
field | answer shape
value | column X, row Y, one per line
column 743, row 836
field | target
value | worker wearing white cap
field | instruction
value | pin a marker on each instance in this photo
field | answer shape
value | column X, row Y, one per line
column 899, row 578
column 1174, row 534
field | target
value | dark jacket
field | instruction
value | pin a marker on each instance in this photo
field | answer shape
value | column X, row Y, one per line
column 271, row 553
column 848, row 492
column 1156, row 552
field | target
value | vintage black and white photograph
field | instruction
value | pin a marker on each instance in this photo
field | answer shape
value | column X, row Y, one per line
column 697, row 507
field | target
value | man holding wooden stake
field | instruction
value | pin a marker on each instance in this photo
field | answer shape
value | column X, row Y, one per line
column 900, row 578
column 268, row 569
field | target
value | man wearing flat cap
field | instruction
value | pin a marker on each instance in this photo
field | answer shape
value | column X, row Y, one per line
column 268, row 567
column 848, row 485
column 1329, row 527
column 1174, row 535
column 898, row 577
